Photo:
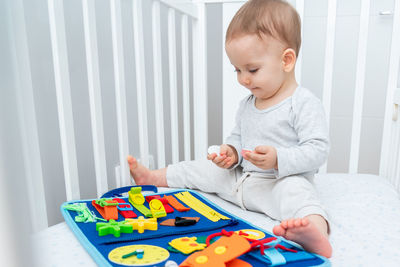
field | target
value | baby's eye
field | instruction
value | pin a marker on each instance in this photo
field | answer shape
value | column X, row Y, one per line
column 237, row 70
column 253, row 70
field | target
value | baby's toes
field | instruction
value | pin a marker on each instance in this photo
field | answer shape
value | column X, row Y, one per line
column 290, row 223
column 304, row 222
column 297, row 222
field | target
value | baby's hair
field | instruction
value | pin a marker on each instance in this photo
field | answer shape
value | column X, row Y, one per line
column 273, row 18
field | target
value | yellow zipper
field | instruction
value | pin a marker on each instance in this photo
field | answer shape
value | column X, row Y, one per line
column 200, row 207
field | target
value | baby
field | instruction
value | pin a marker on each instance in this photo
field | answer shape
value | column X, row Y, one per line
column 280, row 138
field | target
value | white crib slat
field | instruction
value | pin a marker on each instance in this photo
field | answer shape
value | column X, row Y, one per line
column 393, row 169
column 185, row 85
column 158, row 90
column 120, row 91
column 395, row 166
column 63, row 92
column 299, row 63
column 359, row 88
column 329, row 52
column 27, row 119
column 141, row 81
column 232, row 90
column 173, row 85
column 96, row 111
column 184, row 6
column 328, row 68
column 394, row 154
column 200, row 83
column 392, row 80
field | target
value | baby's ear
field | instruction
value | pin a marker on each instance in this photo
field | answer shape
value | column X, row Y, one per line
column 288, row 59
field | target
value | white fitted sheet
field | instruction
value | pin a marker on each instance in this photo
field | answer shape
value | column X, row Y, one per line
column 364, row 213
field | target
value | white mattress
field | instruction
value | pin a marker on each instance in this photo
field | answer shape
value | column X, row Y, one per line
column 365, row 225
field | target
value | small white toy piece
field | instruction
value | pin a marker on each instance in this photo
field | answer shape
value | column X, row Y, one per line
column 213, row 149
column 171, row 264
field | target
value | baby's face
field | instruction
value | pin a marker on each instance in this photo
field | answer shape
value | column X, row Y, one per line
column 258, row 63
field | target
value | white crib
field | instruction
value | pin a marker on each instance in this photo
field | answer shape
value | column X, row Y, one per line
column 140, row 77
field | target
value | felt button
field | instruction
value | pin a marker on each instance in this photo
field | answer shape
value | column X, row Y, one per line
column 220, row 250
column 201, row 259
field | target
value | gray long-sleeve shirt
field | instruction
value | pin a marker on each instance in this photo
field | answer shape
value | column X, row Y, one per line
column 296, row 127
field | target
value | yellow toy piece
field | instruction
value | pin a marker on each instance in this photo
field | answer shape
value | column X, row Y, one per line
column 200, row 207
column 142, row 224
column 137, row 200
column 187, row 245
column 151, row 255
column 135, row 196
column 252, row 233
column 157, row 208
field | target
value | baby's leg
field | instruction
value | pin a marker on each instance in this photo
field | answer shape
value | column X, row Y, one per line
column 303, row 217
column 291, row 197
column 311, row 232
column 205, row 176
column 200, row 174
column 143, row 175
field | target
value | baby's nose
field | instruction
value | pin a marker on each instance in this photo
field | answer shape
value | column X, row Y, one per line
column 246, row 81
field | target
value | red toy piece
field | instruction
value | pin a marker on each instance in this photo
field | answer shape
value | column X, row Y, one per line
column 125, row 208
column 167, row 207
column 107, row 208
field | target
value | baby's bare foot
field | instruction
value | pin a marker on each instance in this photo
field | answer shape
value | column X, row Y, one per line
column 144, row 176
column 305, row 233
column 139, row 173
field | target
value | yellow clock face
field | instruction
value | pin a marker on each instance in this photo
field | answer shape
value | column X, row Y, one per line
column 152, row 255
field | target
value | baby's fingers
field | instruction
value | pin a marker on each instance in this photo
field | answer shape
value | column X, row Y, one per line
column 219, row 160
column 211, row 156
column 255, row 157
column 227, row 163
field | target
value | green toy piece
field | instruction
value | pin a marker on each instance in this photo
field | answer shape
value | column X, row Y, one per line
column 113, row 228
column 139, row 254
column 84, row 214
column 103, row 202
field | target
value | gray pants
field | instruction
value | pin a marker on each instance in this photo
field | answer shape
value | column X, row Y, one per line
column 280, row 199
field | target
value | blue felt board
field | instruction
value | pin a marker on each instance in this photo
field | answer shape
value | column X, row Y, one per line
column 99, row 247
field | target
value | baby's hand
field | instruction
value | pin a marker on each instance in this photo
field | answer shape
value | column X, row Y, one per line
column 264, row 157
column 227, row 157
